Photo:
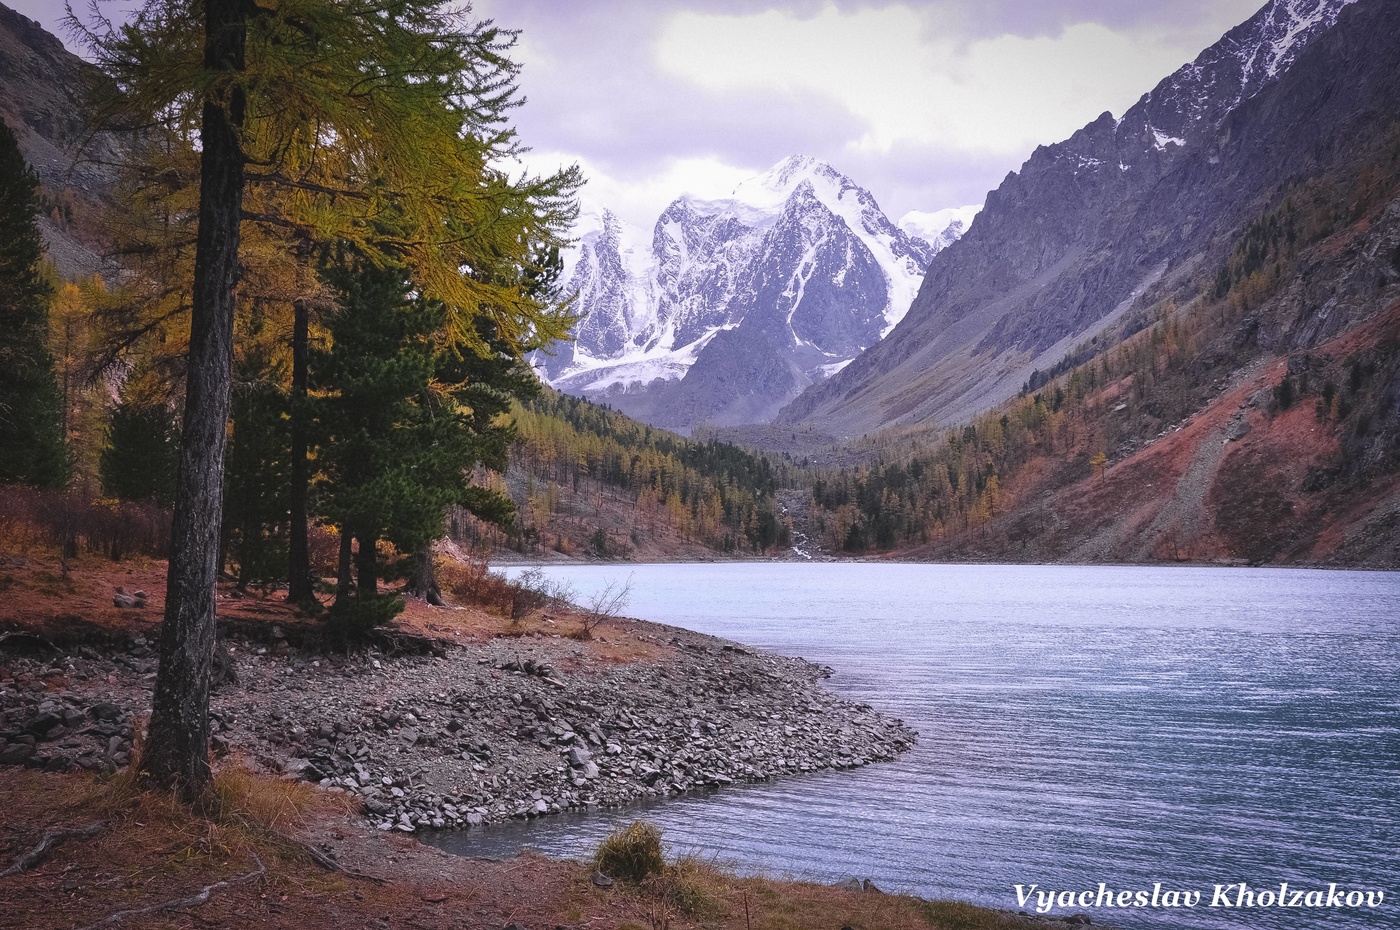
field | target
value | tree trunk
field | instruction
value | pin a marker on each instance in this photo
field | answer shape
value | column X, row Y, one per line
column 299, row 582
column 344, row 581
column 368, row 582
column 177, row 750
column 423, row 582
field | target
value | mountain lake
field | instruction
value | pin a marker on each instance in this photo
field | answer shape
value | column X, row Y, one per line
column 1148, row 728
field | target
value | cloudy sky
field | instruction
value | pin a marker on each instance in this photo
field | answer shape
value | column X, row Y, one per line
column 927, row 103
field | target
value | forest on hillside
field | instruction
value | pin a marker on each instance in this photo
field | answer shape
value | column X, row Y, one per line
column 1112, row 397
column 590, row 481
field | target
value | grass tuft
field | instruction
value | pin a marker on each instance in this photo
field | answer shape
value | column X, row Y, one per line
column 632, row 853
column 692, row 886
column 256, row 802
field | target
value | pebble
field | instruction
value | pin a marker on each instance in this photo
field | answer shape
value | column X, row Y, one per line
column 509, row 728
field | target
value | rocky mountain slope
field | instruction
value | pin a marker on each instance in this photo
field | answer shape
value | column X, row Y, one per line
column 731, row 307
column 1249, row 415
column 1099, row 223
column 41, row 99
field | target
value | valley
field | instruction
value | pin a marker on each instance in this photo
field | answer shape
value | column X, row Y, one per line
column 489, row 466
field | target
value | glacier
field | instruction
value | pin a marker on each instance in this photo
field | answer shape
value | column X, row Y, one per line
column 800, row 258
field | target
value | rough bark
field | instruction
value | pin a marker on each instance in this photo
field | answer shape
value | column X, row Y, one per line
column 299, row 582
column 177, row 751
column 423, row 582
column 366, row 576
column 344, row 581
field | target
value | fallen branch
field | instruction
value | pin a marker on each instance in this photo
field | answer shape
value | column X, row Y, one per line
column 330, row 865
column 52, row 839
column 193, row 900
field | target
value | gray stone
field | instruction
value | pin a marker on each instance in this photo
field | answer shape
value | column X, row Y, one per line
column 16, row 754
column 40, row 724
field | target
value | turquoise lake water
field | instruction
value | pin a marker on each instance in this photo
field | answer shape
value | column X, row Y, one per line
column 1078, row 725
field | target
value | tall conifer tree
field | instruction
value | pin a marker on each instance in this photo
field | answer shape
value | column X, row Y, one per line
column 330, row 89
column 31, row 410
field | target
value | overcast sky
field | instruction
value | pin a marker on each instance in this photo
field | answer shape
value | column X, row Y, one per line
column 927, row 103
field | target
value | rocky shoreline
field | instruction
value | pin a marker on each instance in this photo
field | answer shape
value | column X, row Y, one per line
column 481, row 732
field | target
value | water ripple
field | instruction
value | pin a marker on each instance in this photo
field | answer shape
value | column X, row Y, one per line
column 1126, row 725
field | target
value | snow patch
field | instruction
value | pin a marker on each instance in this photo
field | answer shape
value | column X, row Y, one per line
column 934, row 227
column 1161, row 140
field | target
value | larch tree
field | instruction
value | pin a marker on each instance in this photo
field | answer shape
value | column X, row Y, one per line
column 315, row 118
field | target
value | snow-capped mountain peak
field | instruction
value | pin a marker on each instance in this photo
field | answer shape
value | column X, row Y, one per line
column 801, row 252
column 1287, row 26
column 941, row 228
column 772, row 188
column 1190, row 103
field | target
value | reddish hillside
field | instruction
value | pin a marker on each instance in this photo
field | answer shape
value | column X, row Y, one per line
column 1252, row 414
column 1197, row 494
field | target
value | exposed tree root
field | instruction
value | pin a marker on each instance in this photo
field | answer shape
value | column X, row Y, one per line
column 52, row 839
column 330, row 865
column 19, row 642
column 193, row 900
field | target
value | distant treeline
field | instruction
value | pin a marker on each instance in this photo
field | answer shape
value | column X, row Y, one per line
column 709, row 492
column 1123, row 389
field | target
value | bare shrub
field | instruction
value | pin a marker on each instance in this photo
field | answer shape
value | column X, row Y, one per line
column 606, row 604
column 74, row 520
column 534, row 590
column 472, row 582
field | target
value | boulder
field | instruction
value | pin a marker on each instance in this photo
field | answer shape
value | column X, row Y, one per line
column 40, row 724
column 16, row 754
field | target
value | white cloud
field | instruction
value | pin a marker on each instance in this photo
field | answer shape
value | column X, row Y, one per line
column 910, row 81
column 640, row 198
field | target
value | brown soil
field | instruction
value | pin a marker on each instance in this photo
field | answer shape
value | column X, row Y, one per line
column 37, row 595
column 252, row 857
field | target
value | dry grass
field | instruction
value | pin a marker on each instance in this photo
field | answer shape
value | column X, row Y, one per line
column 246, row 806
column 38, row 596
column 273, row 806
column 696, row 892
column 632, row 853
column 154, row 849
column 487, row 606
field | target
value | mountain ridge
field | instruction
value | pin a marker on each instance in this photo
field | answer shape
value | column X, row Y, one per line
column 735, row 304
column 1068, row 245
